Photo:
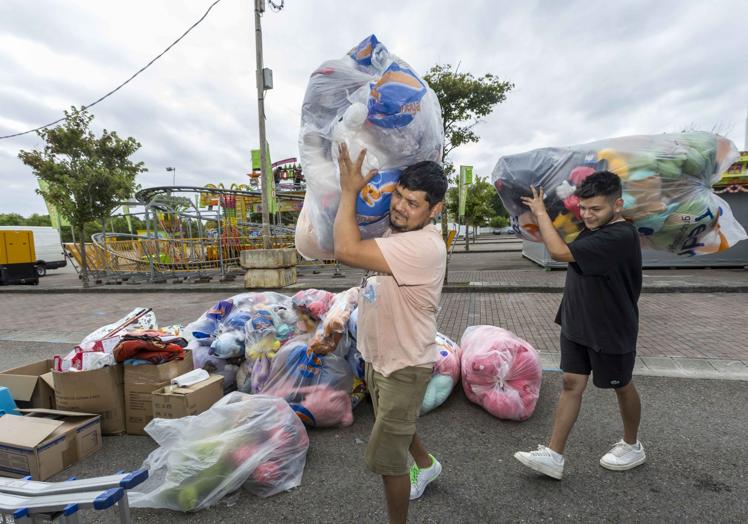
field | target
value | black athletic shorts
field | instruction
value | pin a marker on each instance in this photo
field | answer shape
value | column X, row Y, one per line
column 608, row 371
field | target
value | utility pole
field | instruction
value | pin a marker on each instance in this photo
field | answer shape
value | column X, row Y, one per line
column 261, row 86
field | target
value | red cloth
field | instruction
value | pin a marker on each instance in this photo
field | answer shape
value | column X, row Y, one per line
column 149, row 347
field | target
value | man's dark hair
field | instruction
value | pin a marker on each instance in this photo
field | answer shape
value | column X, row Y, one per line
column 600, row 183
column 425, row 176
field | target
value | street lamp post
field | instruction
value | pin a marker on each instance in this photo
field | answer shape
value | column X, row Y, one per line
column 174, row 175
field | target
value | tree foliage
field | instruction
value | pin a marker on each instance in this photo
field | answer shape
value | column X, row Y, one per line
column 86, row 176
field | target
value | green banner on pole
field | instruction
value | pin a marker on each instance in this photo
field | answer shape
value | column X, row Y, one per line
column 55, row 218
column 465, row 179
column 468, row 170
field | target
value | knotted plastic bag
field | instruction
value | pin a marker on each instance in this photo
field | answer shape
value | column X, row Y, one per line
column 254, row 441
column 500, row 372
column 667, row 188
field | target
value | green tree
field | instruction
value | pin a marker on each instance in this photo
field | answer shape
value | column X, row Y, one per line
column 87, row 176
column 479, row 205
column 464, row 100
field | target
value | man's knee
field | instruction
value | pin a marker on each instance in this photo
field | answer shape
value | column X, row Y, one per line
column 574, row 383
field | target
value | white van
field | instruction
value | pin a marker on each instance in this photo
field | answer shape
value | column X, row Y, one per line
column 47, row 245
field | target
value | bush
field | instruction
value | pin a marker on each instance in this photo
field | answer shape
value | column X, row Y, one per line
column 499, row 222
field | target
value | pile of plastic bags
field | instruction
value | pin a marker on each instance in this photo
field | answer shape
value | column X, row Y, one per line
column 500, row 372
column 666, row 182
column 369, row 99
column 296, row 348
column 251, row 441
column 239, row 336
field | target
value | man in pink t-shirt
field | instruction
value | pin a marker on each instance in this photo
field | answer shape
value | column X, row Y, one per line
column 397, row 318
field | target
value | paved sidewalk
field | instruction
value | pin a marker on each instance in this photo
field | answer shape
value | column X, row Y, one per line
column 681, row 334
column 505, row 272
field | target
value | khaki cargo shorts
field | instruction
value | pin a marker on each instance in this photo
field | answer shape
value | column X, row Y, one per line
column 397, row 401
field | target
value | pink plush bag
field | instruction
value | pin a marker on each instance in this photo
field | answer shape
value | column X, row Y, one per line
column 500, row 372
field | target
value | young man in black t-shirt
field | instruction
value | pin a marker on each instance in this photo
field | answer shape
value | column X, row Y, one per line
column 599, row 319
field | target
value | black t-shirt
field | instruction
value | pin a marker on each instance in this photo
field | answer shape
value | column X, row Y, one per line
column 599, row 308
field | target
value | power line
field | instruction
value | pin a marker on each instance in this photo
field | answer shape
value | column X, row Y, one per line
column 123, row 84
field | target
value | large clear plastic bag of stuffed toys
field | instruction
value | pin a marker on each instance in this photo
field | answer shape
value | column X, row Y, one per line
column 313, row 373
column 500, row 372
column 666, row 180
column 254, row 441
column 369, row 99
column 245, row 330
column 317, row 387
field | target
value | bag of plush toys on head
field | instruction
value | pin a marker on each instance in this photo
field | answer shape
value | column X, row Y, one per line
column 500, row 372
column 250, row 441
column 369, row 99
column 666, row 181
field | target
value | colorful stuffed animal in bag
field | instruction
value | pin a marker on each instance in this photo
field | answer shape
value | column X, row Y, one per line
column 500, row 372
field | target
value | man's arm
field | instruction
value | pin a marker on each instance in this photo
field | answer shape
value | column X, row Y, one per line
column 349, row 248
column 556, row 246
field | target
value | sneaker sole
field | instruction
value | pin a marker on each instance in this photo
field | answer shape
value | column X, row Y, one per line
column 419, row 495
column 623, row 467
column 540, row 468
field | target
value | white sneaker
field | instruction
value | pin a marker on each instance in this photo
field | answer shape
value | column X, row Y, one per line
column 623, row 456
column 422, row 477
column 543, row 460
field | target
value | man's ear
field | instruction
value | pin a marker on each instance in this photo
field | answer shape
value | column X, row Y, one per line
column 438, row 208
column 618, row 205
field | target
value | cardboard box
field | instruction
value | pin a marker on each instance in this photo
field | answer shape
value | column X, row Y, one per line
column 141, row 382
column 99, row 391
column 82, row 432
column 26, row 385
column 45, row 442
column 178, row 402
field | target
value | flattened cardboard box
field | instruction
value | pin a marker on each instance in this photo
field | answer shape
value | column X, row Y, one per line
column 99, row 391
column 178, row 402
column 44, row 442
column 27, row 387
column 141, row 382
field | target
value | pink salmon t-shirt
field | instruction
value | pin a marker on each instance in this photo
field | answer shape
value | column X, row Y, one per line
column 397, row 312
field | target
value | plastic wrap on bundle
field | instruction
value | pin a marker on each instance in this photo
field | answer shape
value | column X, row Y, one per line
column 254, row 441
column 666, row 181
column 500, row 372
column 334, row 324
column 445, row 375
column 313, row 302
column 369, row 99
column 317, row 387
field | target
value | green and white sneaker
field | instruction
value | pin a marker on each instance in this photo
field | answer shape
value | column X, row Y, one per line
column 420, row 478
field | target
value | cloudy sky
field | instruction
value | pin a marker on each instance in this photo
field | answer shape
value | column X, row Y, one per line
column 583, row 70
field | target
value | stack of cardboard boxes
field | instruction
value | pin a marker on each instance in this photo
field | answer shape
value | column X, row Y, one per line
column 66, row 413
